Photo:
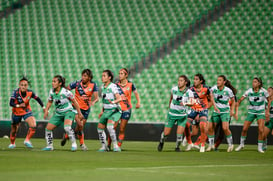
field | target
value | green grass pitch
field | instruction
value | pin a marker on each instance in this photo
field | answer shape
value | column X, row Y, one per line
column 139, row 161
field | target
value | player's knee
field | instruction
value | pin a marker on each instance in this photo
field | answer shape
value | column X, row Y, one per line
column 67, row 129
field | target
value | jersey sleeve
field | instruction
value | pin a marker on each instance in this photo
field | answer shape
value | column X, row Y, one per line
column 115, row 89
column 190, row 94
column 266, row 93
column 73, row 85
column 246, row 93
column 95, row 89
column 133, row 87
column 33, row 95
column 13, row 94
column 50, row 96
column 208, row 91
column 231, row 95
column 69, row 94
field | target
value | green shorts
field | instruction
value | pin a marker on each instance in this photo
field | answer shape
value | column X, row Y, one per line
column 180, row 120
column 58, row 119
column 252, row 117
column 269, row 124
column 218, row 117
column 111, row 114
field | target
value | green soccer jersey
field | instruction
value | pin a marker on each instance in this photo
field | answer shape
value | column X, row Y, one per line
column 221, row 98
column 62, row 100
column 108, row 93
column 256, row 100
column 179, row 96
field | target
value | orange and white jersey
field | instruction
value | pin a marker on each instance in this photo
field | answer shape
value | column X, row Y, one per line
column 126, row 94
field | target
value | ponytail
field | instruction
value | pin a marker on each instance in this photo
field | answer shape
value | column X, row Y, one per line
column 228, row 84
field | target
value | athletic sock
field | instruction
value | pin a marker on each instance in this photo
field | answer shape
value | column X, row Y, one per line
column 179, row 139
column 70, row 132
column 120, row 139
column 163, row 137
column 242, row 141
column 31, row 132
column 102, row 137
column 81, row 137
column 188, row 133
column 211, row 140
column 49, row 137
column 229, row 140
column 12, row 138
column 112, row 134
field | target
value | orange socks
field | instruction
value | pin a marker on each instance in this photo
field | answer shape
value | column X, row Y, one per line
column 31, row 132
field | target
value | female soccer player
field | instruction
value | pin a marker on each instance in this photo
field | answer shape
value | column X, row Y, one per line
column 84, row 89
column 222, row 93
column 64, row 113
column 221, row 134
column 111, row 111
column 257, row 97
column 201, row 94
column 127, row 88
column 269, row 117
column 181, row 97
column 19, row 101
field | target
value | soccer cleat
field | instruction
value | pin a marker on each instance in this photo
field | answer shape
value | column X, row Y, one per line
column 240, row 147
column 48, row 148
column 177, row 149
column 74, row 147
column 63, row 142
column 116, row 149
column 28, row 144
column 109, row 147
column 202, row 149
column 83, row 147
column 189, row 147
column 12, row 146
column 230, row 148
column 160, row 146
column 103, row 149
column 260, row 150
column 196, row 146
column 210, row 148
column 184, row 142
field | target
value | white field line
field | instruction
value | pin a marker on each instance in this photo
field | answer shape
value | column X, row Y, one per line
column 184, row 166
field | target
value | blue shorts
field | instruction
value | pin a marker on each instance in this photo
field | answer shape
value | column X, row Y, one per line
column 85, row 113
column 194, row 113
column 17, row 119
column 126, row 114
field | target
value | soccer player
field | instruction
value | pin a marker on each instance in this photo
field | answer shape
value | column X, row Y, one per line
column 127, row 88
column 111, row 111
column 19, row 101
column 84, row 89
column 181, row 97
column 269, row 117
column 222, row 93
column 221, row 134
column 64, row 113
column 257, row 97
column 201, row 94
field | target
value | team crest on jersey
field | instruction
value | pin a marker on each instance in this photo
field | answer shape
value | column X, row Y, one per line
column 128, row 88
column 107, row 91
column 261, row 95
column 28, row 97
column 90, row 89
column 203, row 93
column 61, row 96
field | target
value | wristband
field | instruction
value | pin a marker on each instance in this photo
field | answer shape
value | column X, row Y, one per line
column 17, row 105
column 44, row 107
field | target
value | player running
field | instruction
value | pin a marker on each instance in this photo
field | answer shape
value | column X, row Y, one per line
column 257, row 97
column 222, row 93
column 111, row 111
column 84, row 89
column 19, row 101
column 181, row 97
column 64, row 113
